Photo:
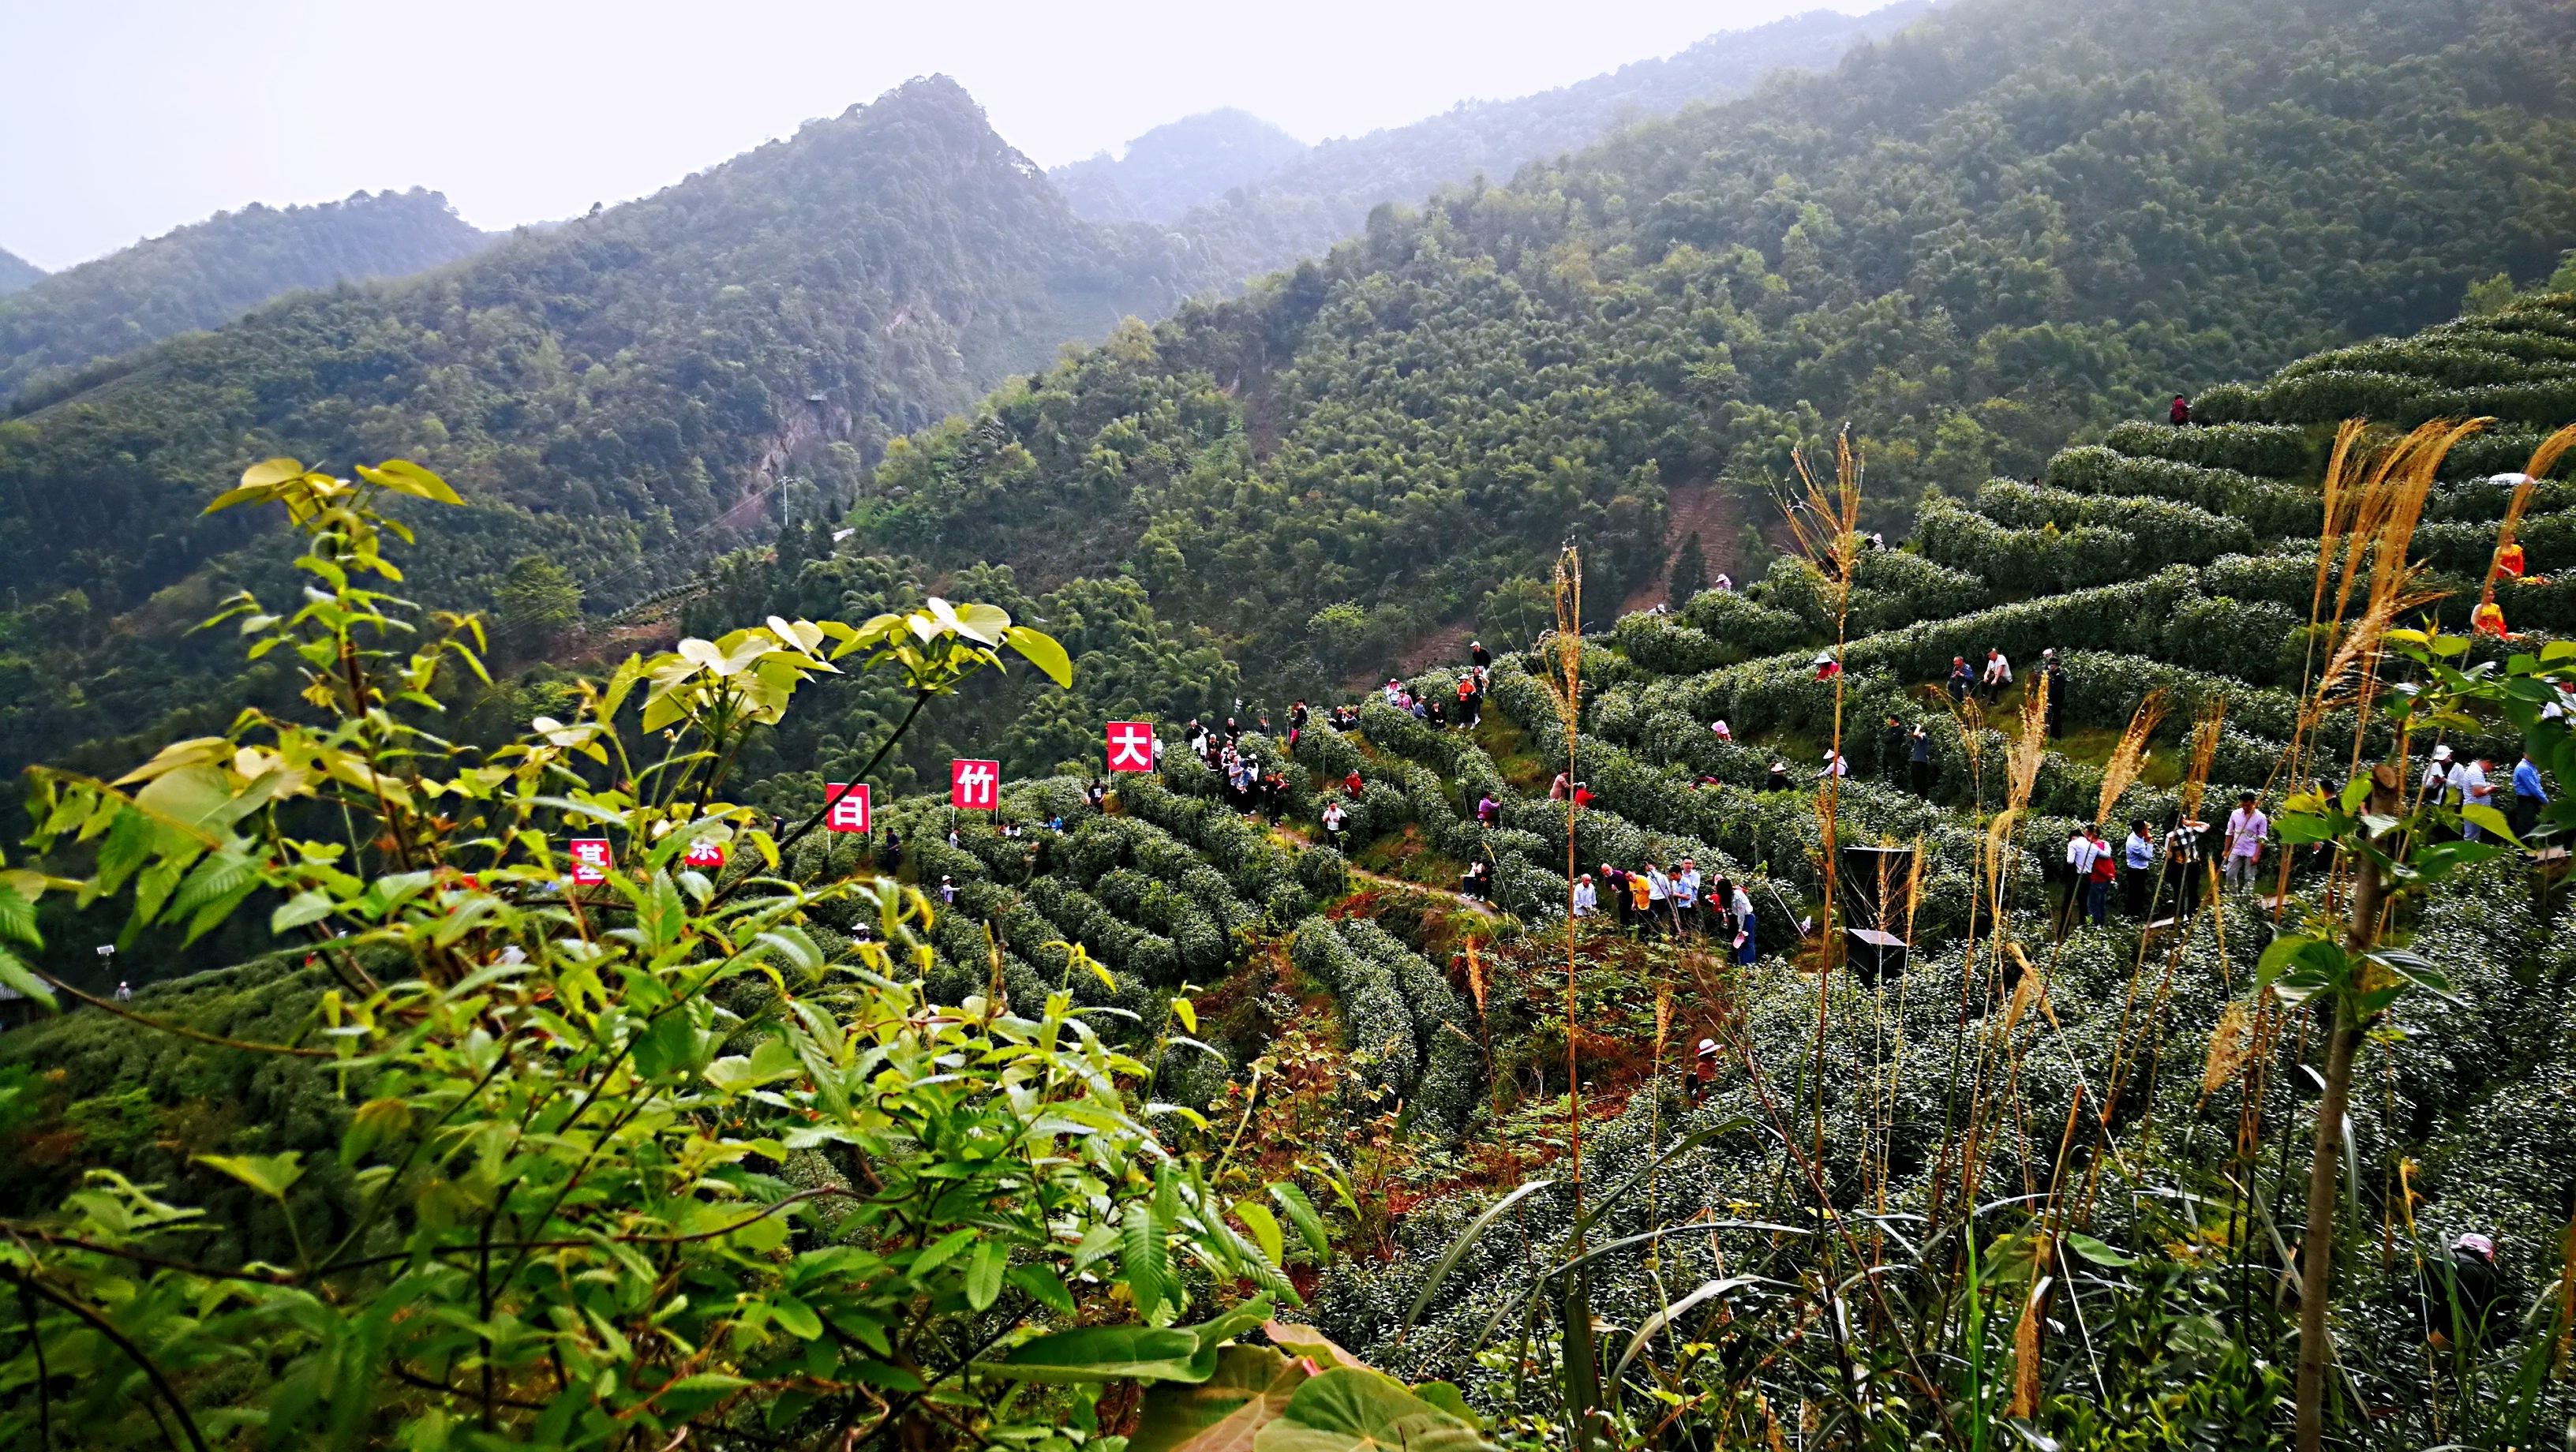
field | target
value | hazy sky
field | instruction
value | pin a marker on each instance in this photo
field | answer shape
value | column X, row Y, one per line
column 127, row 119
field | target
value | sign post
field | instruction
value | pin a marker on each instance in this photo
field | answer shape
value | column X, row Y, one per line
column 1131, row 746
column 848, row 807
column 590, row 861
column 975, row 786
column 704, row 852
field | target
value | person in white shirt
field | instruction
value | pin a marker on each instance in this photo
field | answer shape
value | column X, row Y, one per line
column 2437, row 775
column 1659, row 897
column 1835, row 766
column 1586, row 900
column 2247, row 828
column 1719, row 726
column 1334, row 816
column 1998, row 674
column 1685, row 895
column 2080, row 852
column 2469, row 788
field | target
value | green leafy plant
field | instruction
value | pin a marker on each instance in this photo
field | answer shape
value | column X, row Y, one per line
column 635, row 1155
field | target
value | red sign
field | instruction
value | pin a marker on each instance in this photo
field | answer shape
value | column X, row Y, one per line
column 703, row 852
column 975, row 785
column 849, row 807
column 1131, row 746
column 590, row 861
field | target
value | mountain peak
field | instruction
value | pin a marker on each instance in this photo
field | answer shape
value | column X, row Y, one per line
column 17, row 272
column 1178, row 165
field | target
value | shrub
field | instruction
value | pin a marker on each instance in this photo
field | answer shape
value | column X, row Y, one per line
column 2165, row 530
column 2467, row 548
column 2503, row 451
column 2333, row 394
column 1657, row 644
column 2231, row 637
column 1451, row 1084
column 1377, row 1029
column 2278, row 450
column 1323, row 873
column 1890, row 589
column 2022, row 561
column 1735, row 615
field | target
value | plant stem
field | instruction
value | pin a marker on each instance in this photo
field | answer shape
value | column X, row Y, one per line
column 2316, row 1251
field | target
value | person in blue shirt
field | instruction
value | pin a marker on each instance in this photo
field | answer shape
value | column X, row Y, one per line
column 2528, row 798
column 2139, row 856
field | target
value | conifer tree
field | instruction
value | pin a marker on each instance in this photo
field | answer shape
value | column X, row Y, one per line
column 1690, row 570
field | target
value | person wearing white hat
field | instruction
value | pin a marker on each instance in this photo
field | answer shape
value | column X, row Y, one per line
column 1703, row 1071
column 2437, row 770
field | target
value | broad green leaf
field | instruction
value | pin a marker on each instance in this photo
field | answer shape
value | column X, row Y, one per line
column 1249, row 1390
column 2490, row 819
column 1363, row 1411
column 2098, row 1252
column 1265, row 1229
column 1145, row 1258
column 941, row 1252
column 1301, row 1213
column 19, row 976
column 671, row 1043
column 1102, row 1353
column 1311, row 1344
column 984, row 1274
column 405, row 477
column 1041, row 650
column 308, row 906
column 269, row 473
column 1044, row 1286
column 18, row 916
column 271, row 1175
column 796, row 1316
column 763, row 1235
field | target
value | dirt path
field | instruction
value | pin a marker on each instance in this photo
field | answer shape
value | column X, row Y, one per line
column 1382, row 880
column 1716, row 515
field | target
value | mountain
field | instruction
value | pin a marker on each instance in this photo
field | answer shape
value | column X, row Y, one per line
column 1313, row 197
column 208, row 273
column 1970, row 242
column 619, row 396
column 17, row 273
column 1177, row 166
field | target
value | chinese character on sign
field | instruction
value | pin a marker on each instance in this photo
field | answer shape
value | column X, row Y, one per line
column 704, row 852
column 975, row 785
column 1131, row 746
column 590, row 862
column 849, row 807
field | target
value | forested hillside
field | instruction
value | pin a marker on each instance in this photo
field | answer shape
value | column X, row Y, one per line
column 17, row 272
column 211, row 272
column 1303, row 203
column 622, row 396
column 2043, row 1174
column 1973, row 242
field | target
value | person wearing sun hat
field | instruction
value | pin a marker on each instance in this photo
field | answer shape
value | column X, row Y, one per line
column 1703, row 1071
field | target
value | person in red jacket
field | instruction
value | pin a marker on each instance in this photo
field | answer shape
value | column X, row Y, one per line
column 2180, row 413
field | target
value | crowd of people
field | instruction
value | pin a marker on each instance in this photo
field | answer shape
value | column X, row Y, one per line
column 1250, row 786
column 1651, row 902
